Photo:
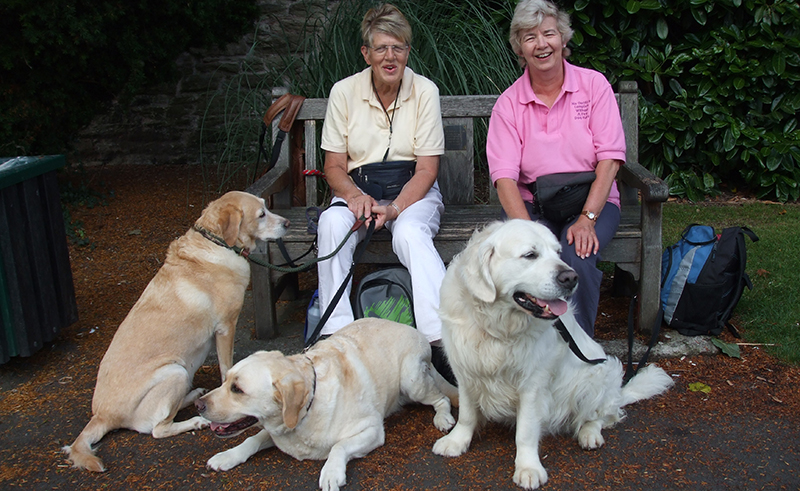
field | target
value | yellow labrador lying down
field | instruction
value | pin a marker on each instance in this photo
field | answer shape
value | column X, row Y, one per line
column 500, row 299
column 195, row 298
column 330, row 401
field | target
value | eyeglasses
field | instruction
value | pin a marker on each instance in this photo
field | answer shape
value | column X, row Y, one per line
column 398, row 50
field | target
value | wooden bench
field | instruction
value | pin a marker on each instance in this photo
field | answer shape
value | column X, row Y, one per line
column 635, row 249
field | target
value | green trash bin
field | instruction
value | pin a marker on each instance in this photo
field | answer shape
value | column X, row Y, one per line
column 37, row 296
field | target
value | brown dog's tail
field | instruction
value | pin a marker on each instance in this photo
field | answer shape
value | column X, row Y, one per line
column 80, row 453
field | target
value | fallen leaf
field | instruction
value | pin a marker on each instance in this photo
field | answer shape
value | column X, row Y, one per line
column 730, row 349
column 699, row 387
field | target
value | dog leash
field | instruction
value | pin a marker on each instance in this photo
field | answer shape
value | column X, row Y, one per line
column 245, row 253
column 335, row 300
column 573, row 346
column 630, row 371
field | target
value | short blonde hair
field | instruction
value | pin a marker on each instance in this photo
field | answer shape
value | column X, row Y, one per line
column 386, row 19
column 529, row 14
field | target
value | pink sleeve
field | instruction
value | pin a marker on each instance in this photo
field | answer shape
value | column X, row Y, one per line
column 503, row 142
column 606, row 123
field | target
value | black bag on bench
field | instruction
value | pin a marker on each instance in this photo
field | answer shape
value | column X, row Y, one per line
column 384, row 180
column 559, row 197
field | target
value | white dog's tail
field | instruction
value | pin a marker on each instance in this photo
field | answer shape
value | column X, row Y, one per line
column 80, row 453
column 648, row 382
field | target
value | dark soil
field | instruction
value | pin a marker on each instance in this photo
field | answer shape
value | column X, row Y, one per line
column 742, row 434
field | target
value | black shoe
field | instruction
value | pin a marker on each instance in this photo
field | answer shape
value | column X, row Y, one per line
column 439, row 361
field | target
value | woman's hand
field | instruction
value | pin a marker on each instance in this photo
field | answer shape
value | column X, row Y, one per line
column 583, row 236
column 362, row 205
column 358, row 203
column 384, row 213
column 582, row 233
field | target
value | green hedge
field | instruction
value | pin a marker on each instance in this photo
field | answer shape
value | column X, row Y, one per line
column 717, row 81
column 61, row 61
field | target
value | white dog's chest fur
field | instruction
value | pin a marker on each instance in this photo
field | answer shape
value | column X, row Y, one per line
column 497, row 379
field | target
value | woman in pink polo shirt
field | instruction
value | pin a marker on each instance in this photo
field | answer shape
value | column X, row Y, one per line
column 558, row 118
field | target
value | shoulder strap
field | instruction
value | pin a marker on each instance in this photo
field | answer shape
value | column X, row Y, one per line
column 743, row 280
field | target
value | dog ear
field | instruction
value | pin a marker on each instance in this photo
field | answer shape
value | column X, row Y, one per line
column 230, row 219
column 291, row 390
column 477, row 276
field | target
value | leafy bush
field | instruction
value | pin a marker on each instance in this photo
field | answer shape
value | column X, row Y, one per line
column 61, row 61
column 717, row 81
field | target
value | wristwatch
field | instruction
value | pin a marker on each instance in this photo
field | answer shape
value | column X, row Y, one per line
column 590, row 215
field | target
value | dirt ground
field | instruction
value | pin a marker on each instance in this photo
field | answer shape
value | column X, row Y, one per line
column 742, row 433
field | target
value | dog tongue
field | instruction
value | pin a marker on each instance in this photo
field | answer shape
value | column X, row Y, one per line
column 218, row 426
column 557, row 307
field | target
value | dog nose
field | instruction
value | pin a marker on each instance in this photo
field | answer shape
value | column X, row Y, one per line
column 200, row 405
column 567, row 279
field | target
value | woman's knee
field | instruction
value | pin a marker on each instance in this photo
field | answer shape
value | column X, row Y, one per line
column 335, row 222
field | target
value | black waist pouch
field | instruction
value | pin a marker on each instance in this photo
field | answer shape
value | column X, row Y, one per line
column 559, row 197
column 384, row 180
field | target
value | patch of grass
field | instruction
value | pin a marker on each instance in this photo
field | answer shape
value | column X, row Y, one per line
column 770, row 313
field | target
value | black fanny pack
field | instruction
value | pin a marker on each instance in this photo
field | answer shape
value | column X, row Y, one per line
column 559, row 197
column 384, row 180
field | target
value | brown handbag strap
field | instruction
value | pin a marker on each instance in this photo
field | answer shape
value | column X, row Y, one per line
column 290, row 105
column 290, row 113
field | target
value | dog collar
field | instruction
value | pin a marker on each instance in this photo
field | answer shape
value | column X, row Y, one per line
column 241, row 251
column 314, row 386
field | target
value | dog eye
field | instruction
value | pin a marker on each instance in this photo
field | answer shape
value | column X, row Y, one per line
column 262, row 214
column 531, row 255
column 236, row 390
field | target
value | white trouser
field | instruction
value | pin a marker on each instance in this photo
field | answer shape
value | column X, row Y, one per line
column 412, row 240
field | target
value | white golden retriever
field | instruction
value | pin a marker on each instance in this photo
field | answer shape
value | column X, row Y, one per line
column 195, row 298
column 329, row 402
column 499, row 300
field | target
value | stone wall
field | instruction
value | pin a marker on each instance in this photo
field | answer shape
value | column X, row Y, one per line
column 164, row 124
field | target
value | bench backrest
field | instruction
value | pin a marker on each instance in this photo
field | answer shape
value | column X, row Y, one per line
column 456, row 169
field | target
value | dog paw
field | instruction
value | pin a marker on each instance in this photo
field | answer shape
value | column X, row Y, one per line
column 530, row 477
column 332, row 477
column 223, row 461
column 590, row 437
column 448, row 446
column 443, row 421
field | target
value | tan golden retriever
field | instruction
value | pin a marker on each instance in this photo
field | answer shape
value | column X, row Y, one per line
column 500, row 299
column 329, row 402
column 146, row 375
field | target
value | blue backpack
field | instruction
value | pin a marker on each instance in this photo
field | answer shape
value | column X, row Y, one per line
column 702, row 279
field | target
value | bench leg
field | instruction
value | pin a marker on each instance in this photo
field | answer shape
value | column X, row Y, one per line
column 650, row 283
column 264, row 313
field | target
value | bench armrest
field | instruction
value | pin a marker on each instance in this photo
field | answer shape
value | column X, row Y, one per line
column 277, row 179
column 652, row 188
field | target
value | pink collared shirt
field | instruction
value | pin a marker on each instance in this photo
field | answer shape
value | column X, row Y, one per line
column 527, row 139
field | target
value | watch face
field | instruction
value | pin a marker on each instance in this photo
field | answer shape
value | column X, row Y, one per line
column 590, row 215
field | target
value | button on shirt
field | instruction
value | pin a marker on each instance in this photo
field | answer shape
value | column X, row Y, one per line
column 356, row 124
column 527, row 139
